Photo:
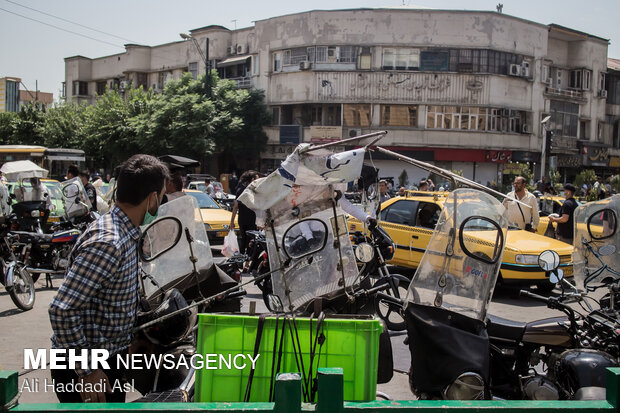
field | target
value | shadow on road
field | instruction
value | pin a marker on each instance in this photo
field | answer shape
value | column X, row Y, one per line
column 10, row 312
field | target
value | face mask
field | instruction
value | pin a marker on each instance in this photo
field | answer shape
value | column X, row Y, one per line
column 148, row 217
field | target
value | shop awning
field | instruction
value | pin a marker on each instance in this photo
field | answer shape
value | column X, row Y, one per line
column 232, row 61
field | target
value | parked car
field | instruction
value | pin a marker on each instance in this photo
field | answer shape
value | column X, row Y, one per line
column 410, row 222
column 215, row 218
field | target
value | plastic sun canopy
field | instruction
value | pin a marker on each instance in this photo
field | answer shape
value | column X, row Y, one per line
column 18, row 170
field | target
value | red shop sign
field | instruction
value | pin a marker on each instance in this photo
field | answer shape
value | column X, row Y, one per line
column 499, row 156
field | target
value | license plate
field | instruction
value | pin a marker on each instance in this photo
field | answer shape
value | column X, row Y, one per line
column 221, row 234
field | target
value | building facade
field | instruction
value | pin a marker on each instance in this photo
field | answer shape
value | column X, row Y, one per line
column 9, row 94
column 466, row 90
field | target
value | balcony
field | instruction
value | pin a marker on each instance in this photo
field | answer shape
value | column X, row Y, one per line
column 565, row 93
column 242, row 82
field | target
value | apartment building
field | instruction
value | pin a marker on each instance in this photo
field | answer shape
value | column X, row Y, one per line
column 466, row 90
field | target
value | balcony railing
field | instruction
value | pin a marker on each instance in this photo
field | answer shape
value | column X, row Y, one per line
column 568, row 93
column 242, row 82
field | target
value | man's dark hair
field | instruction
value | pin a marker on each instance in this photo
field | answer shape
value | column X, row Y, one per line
column 177, row 181
column 423, row 182
column 138, row 177
column 207, row 181
column 73, row 170
column 247, row 176
column 84, row 174
column 570, row 187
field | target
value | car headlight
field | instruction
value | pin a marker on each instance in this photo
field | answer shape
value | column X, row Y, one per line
column 526, row 259
column 207, row 226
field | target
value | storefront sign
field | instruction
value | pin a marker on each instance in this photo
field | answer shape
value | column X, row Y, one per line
column 520, row 156
column 595, row 156
column 277, row 151
column 499, row 156
column 569, row 161
column 614, row 161
column 512, row 169
column 290, row 134
column 323, row 134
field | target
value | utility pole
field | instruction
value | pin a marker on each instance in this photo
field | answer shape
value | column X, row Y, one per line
column 207, row 72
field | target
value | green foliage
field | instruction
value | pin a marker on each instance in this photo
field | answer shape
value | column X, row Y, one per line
column 182, row 120
column 588, row 177
column 403, row 179
column 554, row 177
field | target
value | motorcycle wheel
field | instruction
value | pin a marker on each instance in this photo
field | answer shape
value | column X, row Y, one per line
column 393, row 319
column 22, row 291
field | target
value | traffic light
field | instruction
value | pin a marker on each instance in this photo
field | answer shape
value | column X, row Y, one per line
column 549, row 143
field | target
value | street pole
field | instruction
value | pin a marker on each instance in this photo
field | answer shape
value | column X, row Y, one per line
column 207, row 72
column 543, row 154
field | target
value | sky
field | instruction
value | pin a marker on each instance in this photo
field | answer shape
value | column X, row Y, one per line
column 35, row 50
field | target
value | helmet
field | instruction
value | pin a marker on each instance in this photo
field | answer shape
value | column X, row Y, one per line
column 173, row 329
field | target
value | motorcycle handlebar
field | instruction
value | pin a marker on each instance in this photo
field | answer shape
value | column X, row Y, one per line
column 388, row 298
column 526, row 293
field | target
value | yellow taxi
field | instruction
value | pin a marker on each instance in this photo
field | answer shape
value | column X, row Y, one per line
column 216, row 218
column 410, row 221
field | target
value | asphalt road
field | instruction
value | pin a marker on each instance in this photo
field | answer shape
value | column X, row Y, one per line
column 32, row 329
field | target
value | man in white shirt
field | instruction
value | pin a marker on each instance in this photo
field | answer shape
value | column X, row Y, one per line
column 520, row 215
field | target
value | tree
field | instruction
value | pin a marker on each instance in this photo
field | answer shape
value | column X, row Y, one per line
column 6, row 126
column 403, row 179
column 588, row 177
column 64, row 126
column 27, row 126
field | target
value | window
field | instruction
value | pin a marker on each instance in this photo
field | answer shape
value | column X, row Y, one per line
column 333, row 115
column 475, row 118
column 101, row 87
column 275, row 116
column 544, row 75
column 80, row 88
column 277, row 62
column 401, row 59
column 602, row 81
column 192, row 67
column 348, row 54
column 400, row 212
column 321, row 54
column 356, row 115
column 584, row 125
column 295, row 56
column 428, row 215
column 255, row 65
column 564, row 118
column 142, row 79
column 364, row 58
column 286, row 58
column 399, row 115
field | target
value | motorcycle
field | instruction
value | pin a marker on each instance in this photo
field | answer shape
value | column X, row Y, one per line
column 49, row 253
column 177, row 269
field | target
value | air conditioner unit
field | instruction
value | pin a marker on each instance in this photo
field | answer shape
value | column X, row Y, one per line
column 305, row 65
column 602, row 93
column 515, row 70
column 352, row 133
column 526, row 128
column 525, row 71
column 232, row 49
column 241, row 49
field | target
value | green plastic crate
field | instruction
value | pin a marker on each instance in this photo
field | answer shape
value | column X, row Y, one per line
column 352, row 344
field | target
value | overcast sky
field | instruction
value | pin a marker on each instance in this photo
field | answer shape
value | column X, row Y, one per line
column 35, row 51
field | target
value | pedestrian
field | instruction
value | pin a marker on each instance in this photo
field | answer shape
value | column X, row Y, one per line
column 247, row 217
column 431, row 185
column 37, row 192
column 541, row 185
column 97, row 304
column 174, row 187
column 91, row 192
column 73, row 171
column 564, row 230
column 520, row 215
column 401, row 191
column 209, row 188
column 232, row 183
column 383, row 191
column 423, row 185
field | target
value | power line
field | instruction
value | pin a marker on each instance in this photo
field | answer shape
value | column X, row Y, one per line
column 60, row 28
column 69, row 21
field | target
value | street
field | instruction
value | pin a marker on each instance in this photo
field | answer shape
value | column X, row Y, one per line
column 32, row 329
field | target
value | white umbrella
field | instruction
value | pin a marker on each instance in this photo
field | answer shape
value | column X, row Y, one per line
column 18, row 170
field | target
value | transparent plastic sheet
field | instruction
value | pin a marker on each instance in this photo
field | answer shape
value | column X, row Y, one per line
column 460, row 266
column 174, row 265
column 600, row 233
column 5, row 202
column 318, row 274
column 75, row 199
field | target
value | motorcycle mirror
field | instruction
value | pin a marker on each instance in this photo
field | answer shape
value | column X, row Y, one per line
column 304, row 238
column 70, row 190
column 602, row 224
column 556, row 276
column 606, row 250
column 364, row 252
column 159, row 237
column 275, row 304
column 549, row 260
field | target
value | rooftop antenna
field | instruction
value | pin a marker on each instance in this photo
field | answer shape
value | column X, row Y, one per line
column 235, row 21
column 499, row 7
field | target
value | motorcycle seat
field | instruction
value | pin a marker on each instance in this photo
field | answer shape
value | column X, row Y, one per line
column 502, row 328
column 27, row 237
